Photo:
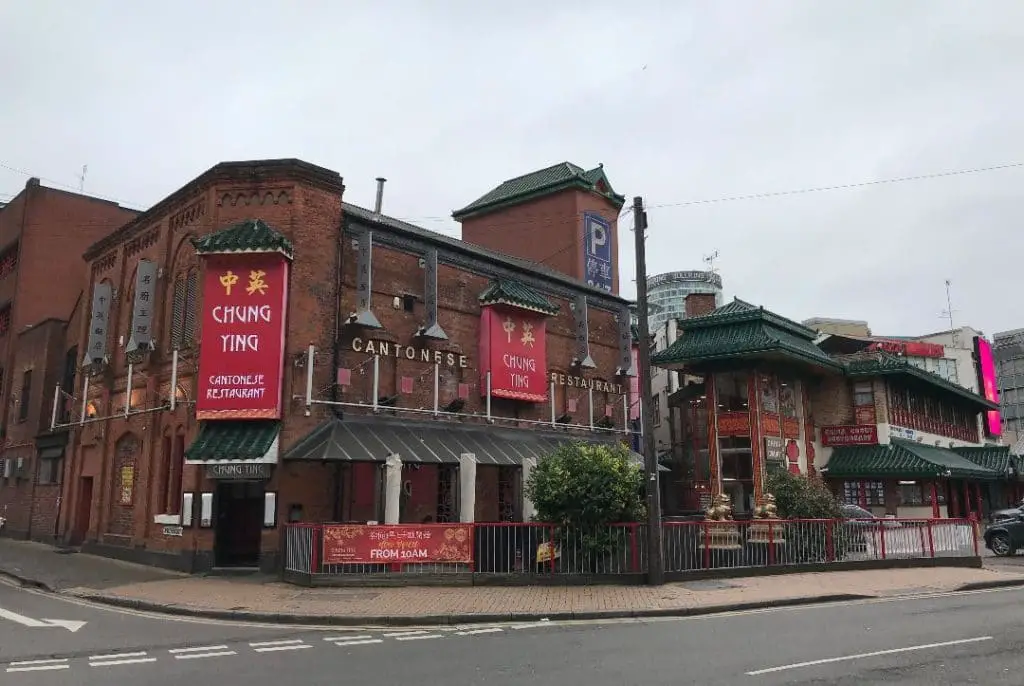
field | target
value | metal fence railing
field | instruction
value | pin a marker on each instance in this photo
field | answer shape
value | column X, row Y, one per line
column 535, row 550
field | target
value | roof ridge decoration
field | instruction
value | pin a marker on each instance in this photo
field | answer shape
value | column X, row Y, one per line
column 504, row 291
column 248, row 236
column 738, row 311
column 540, row 183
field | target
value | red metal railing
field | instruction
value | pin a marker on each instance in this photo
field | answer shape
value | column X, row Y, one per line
column 540, row 549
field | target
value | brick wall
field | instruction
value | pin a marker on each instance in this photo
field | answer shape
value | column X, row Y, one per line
column 699, row 304
column 301, row 201
column 306, row 207
column 396, row 273
column 548, row 230
column 831, row 401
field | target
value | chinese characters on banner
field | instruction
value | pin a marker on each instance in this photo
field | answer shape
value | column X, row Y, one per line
column 353, row 544
column 513, row 349
column 241, row 356
column 141, row 337
column 98, row 324
column 597, row 252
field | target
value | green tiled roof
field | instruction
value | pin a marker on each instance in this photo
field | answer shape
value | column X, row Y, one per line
column 242, row 439
column 994, row 457
column 515, row 293
column 252, row 235
column 540, row 183
column 739, row 329
column 903, row 460
column 884, row 364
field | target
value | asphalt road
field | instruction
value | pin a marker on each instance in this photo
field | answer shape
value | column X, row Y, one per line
column 969, row 638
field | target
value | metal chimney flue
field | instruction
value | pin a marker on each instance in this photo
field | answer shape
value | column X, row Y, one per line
column 380, row 195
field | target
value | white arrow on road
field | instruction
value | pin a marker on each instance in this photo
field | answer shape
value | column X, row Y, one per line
column 69, row 624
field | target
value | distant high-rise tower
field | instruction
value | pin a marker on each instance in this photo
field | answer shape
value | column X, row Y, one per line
column 667, row 293
column 563, row 217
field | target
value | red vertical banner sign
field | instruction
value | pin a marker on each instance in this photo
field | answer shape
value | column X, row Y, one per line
column 241, row 355
column 513, row 349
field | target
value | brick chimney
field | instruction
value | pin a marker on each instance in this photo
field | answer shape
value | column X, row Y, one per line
column 699, row 304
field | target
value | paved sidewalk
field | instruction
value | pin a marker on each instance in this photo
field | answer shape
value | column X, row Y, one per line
column 274, row 601
column 267, row 600
column 43, row 565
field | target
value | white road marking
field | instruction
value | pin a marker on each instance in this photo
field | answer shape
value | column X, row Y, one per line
column 265, row 644
column 400, row 634
column 205, row 648
column 277, row 649
column 38, row 665
column 199, row 656
column 365, row 642
column 861, row 656
column 418, row 638
column 347, row 638
column 534, row 625
column 474, row 632
column 133, row 661
column 38, row 668
column 116, row 656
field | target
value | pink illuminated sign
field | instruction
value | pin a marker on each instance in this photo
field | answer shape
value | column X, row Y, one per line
column 987, row 381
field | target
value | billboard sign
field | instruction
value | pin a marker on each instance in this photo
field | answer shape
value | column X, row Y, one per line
column 241, row 356
column 597, row 251
column 513, row 348
column 987, row 384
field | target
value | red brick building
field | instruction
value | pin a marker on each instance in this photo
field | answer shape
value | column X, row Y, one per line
column 563, row 216
column 402, row 383
column 43, row 232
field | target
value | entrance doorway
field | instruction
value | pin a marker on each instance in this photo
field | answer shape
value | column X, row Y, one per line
column 83, row 511
column 239, row 507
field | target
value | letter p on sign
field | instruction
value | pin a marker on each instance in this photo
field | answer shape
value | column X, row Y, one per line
column 598, row 238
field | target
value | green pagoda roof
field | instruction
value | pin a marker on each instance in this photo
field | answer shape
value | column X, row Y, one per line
column 902, row 459
column 540, row 183
column 234, row 439
column 883, row 364
column 994, row 457
column 503, row 291
column 740, row 329
column 251, row 235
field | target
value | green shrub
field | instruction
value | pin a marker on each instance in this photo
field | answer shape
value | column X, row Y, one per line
column 582, row 488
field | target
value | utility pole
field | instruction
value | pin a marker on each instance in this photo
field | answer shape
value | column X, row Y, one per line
column 655, row 558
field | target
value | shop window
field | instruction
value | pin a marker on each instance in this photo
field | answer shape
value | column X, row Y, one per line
column 864, row 493
column 787, row 397
column 8, row 262
column 656, row 409
column 50, row 471
column 5, row 320
column 863, row 394
column 736, row 457
column 26, row 395
column 731, row 391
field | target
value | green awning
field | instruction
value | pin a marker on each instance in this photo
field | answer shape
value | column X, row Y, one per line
column 902, row 459
column 994, row 457
column 253, row 440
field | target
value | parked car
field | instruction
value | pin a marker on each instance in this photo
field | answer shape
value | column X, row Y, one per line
column 1005, row 536
column 1008, row 513
column 858, row 516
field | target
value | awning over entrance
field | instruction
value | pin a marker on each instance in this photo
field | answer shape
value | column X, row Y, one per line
column 904, row 460
column 373, row 440
column 235, row 442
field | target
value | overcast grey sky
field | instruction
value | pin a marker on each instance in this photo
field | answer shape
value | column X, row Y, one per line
column 680, row 100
